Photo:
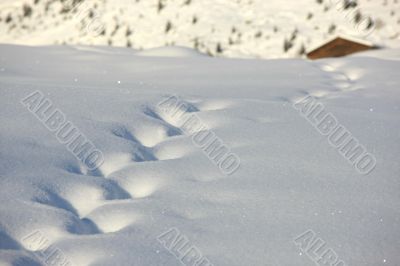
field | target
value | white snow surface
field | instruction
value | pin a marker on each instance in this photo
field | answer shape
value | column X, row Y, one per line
column 290, row 179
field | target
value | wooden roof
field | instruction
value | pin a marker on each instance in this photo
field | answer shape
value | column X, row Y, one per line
column 339, row 46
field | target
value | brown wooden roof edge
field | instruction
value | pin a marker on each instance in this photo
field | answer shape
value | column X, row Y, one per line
column 347, row 38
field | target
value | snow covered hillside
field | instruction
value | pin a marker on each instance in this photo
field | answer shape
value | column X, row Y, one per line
column 230, row 28
column 154, row 190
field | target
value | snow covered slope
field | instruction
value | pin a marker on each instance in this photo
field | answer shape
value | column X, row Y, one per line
column 154, row 177
column 230, row 28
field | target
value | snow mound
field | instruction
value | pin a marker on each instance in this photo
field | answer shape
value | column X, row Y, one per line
column 171, row 51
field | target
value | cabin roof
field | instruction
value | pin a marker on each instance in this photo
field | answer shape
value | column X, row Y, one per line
column 344, row 37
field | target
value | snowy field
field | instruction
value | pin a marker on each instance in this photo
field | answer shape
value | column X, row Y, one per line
column 148, row 189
